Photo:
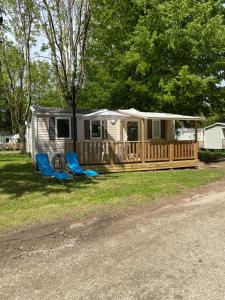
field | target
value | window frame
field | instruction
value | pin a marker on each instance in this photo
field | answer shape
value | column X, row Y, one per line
column 91, row 137
column 138, row 128
column 56, row 128
column 153, row 136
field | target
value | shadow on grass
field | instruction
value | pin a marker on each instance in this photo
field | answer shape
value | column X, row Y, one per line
column 17, row 179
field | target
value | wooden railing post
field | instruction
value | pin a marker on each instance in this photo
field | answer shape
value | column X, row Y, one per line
column 171, row 152
column 196, row 150
column 111, row 153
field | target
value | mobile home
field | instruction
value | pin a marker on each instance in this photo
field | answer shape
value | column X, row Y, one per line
column 112, row 140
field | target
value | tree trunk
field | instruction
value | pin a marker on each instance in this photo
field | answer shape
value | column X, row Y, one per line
column 22, row 133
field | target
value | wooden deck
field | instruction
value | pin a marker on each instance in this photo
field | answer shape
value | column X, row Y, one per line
column 111, row 156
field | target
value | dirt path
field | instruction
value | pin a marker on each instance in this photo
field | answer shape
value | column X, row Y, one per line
column 172, row 249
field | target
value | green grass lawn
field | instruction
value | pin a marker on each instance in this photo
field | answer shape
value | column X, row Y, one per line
column 25, row 198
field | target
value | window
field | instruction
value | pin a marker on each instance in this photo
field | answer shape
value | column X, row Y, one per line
column 149, row 129
column 132, row 131
column 87, row 135
column 63, row 128
column 223, row 132
column 96, row 129
column 7, row 140
column 156, row 129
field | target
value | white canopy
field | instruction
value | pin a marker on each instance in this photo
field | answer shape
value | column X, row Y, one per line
column 162, row 116
column 105, row 114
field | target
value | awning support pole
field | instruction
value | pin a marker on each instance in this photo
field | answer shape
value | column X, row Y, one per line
column 196, row 131
column 121, row 130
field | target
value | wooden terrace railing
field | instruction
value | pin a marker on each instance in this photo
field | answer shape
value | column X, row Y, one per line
column 10, row 146
column 111, row 152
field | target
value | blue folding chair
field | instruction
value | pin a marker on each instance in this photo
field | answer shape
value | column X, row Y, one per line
column 75, row 168
column 46, row 170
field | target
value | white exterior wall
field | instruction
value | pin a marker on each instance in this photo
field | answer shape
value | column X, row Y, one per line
column 44, row 144
column 201, row 136
column 169, row 131
column 34, row 135
column 28, row 138
column 213, row 137
column 80, row 128
column 113, row 130
column 184, row 135
column 40, row 142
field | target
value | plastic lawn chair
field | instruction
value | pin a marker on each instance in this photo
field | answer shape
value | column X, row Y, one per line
column 75, row 168
column 46, row 170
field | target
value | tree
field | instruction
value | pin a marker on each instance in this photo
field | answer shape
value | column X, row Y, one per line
column 111, row 25
column 12, row 76
column 45, row 91
column 5, row 123
column 24, row 79
column 16, row 61
column 171, row 56
column 13, row 99
column 65, row 25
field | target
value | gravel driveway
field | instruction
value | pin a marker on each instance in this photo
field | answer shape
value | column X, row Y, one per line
column 172, row 249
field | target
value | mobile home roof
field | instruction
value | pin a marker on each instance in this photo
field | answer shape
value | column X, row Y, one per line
column 214, row 125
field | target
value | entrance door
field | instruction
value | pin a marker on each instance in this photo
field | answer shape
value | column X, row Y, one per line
column 132, row 130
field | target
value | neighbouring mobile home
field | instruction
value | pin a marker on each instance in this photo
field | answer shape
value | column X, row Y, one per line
column 9, row 141
column 189, row 134
column 214, row 136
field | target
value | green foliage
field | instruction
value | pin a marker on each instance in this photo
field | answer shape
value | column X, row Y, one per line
column 11, row 74
column 112, row 23
column 45, row 88
column 24, row 81
column 208, row 156
column 13, row 85
column 157, row 55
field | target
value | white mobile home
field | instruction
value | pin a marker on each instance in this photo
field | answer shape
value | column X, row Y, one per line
column 214, row 136
column 112, row 140
column 50, row 128
column 188, row 134
column 9, row 141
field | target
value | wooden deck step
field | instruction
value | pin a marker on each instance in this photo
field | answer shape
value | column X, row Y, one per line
column 127, row 167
